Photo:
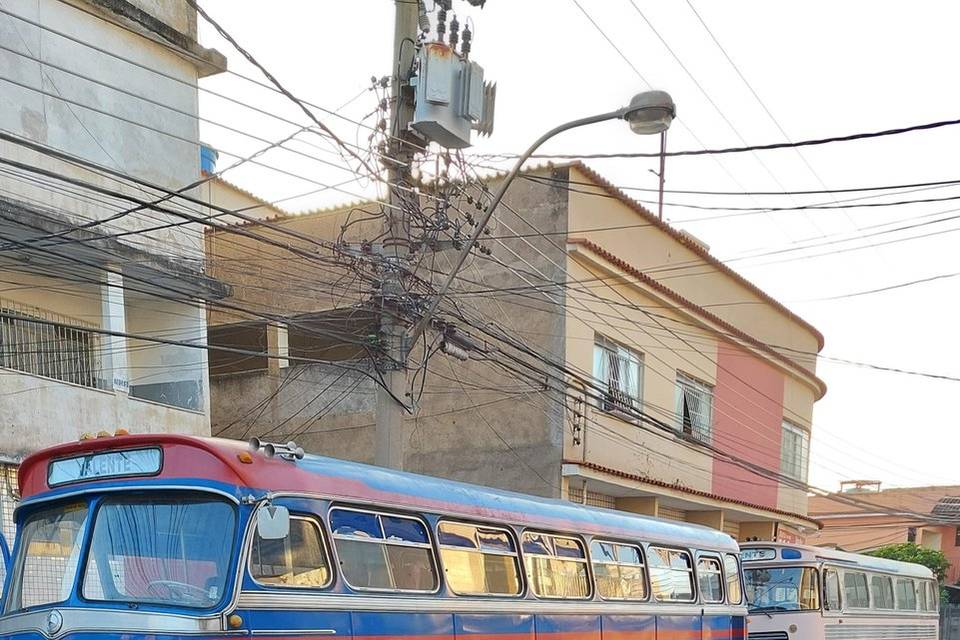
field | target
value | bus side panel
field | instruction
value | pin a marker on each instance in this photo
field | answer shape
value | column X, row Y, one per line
column 628, row 627
column 738, row 628
column 494, row 627
column 679, row 627
column 717, row 627
column 568, row 627
column 270, row 622
column 377, row 625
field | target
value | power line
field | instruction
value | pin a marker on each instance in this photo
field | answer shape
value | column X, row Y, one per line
column 928, row 126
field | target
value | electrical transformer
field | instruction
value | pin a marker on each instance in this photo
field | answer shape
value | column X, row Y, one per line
column 451, row 97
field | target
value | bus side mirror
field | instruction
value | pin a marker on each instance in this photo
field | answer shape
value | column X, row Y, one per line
column 273, row 523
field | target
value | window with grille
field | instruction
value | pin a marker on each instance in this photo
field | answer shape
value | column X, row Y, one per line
column 694, row 407
column 48, row 349
column 619, row 371
column 9, row 498
column 592, row 499
column 794, row 452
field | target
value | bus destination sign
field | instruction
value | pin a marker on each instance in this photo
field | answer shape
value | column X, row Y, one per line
column 109, row 464
column 752, row 555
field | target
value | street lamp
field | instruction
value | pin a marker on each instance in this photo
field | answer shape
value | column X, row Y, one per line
column 648, row 113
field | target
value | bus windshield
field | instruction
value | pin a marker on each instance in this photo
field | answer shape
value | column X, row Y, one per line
column 782, row 589
column 168, row 549
column 165, row 549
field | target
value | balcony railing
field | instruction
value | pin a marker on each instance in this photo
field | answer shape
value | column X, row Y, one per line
column 60, row 347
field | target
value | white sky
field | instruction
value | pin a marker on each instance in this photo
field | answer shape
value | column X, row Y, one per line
column 822, row 68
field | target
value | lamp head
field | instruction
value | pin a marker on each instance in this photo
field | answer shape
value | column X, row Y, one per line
column 650, row 112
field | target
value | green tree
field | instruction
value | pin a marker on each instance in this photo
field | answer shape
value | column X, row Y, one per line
column 911, row 552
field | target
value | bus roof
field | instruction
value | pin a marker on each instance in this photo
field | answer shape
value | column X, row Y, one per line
column 808, row 553
column 219, row 461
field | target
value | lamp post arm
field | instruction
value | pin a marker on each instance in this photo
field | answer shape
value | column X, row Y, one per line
column 421, row 326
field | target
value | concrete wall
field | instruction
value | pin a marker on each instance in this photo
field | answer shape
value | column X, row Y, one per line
column 51, row 105
column 64, row 95
column 512, row 442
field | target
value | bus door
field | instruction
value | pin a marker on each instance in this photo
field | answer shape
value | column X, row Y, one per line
column 289, row 556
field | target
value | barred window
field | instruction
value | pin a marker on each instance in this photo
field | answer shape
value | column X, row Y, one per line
column 619, row 371
column 671, row 574
column 694, row 407
column 794, row 452
column 479, row 560
column 46, row 349
column 297, row 560
column 9, row 498
column 556, row 566
column 710, row 579
column 383, row 552
column 47, row 563
column 618, row 570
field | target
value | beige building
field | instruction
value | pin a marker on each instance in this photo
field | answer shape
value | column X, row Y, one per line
column 671, row 379
column 99, row 99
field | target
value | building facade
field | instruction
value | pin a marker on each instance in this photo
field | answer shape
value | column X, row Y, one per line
column 100, row 289
column 928, row 516
column 615, row 362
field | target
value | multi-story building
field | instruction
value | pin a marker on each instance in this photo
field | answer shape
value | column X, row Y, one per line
column 927, row 516
column 98, row 115
column 689, row 390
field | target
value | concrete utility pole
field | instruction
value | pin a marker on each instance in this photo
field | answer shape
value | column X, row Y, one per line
column 396, row 243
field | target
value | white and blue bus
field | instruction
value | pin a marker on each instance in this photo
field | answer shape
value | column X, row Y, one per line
column 798, row 592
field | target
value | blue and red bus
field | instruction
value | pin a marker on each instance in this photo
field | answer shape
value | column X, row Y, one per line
column 162, row 537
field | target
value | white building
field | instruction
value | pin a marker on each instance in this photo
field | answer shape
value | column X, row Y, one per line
column 82, row 271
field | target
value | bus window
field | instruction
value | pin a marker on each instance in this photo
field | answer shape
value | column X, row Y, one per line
column 855, row 594
column 782, row 588
column 46, row 563
column 383, row 552
column 921, row 595
column 298, row 560
column 710, row 579
column 556, row 566
column 160, row 549
column 882, row 589
column 831, row 590
column 906, row 594
column 618, row 571
column 479, row 560
column 933, row 596
column 731, row 567
column 671, row 574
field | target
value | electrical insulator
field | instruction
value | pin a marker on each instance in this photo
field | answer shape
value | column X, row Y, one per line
column 467, row 41
column 441, row 22
column 454, row 351
column 454, row 32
